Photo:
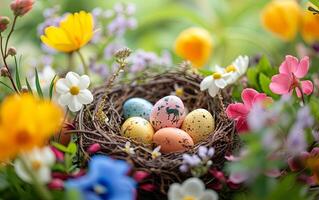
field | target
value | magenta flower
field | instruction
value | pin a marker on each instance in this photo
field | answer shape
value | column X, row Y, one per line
column 288, row 79
column 240, row 111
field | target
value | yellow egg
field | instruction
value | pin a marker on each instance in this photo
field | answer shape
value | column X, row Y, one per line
column 172, row 140
column 199, row 124
column 138, row 129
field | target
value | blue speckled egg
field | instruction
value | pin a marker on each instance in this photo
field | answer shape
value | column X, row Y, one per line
column 137, row 107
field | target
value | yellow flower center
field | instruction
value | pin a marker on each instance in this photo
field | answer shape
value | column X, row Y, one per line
column 99, row 189
column 36, row 165
column 217, row 75
column 179, row 92
column 231, row 68
column 74, row 90
column 189, row 198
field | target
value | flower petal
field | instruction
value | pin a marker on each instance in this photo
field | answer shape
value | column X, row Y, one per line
column 84, row 82
column 85, row 97
column 75, row 105
column 209, row 195
column 248, row 96
column 242, row 125
column 280, row 84
column 307, row 87
column 213, row 90
column 206, row 82
column 221, row 83
column 236, row 110
column 62, row 86
column 193, row 187
column 289, row 65
column 65, row 99
column 303, row 67
column 175, row 192
column 72, row 78
column 44, row 174
column 21, row 172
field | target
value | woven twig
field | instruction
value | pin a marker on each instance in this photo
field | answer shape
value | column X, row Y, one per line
column 164, row 170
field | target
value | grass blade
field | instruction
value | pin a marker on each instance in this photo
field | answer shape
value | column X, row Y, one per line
column 37, row 84
column 6, row 85
column 51, row 87
column 28, row 85
column 18, row 82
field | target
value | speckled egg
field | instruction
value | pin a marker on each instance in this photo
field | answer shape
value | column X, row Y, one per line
column 172, row 140
column 137, row 107
column 199, row 124
column 168, row 112
column 138, row 129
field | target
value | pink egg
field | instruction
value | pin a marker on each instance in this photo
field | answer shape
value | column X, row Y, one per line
column 172, row 140
column 169, row 111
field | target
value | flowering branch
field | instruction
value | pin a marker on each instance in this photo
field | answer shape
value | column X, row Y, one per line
column 10, row 33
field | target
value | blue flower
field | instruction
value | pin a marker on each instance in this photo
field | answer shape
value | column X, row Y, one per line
column 105, row 180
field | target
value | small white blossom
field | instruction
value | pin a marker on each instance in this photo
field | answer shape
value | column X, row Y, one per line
column 156, row 152
column 128, row 149
column 39, row 161
column 192, row 188
column 73, row 91
column 45, row 78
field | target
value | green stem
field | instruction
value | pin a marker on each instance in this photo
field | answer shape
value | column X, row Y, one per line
column 302, row 96
column 64, row 119
column 85, row 67
column 70, row 62
column 10, row 33
column 40, row 188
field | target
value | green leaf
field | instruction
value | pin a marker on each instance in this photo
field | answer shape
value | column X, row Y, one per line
column 37, row 84
column 264, row 83
column 205, row 72
column 252, row 75
column 60, row 147
column 73, row 194
column 28, row 85
column 72, row 148
column 265, row 67
column 51, row 87
column 18, row 82
column 315, row 2
column 6, row 85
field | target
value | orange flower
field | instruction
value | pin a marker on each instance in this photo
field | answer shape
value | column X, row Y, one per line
column 282, row 18
column 194, row 44
column 26, row 122
column 310, row 26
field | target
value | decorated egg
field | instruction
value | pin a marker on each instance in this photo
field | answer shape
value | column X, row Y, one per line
column 172, row 140
column 168, row 112
column 139, row 129
column 199, row 124
column 137, row 107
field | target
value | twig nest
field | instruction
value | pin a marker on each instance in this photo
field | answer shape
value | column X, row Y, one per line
column 163, row 168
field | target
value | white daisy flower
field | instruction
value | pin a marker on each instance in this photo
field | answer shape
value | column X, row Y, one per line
column 192, row 189
column 128, row 149
column 237, row 68
column 73, row 91
column 214, row 83
column 39, row 161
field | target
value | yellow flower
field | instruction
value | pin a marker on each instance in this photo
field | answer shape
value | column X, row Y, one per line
column 282, row 18
column 75, row 31
column 26, row 122
column 310, row 26
column 194, row 44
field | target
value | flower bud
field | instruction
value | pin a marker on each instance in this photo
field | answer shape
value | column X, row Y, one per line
column 56, row 184
column 24, row 89
column 94, row 148
column 12, row 51
column 4, row 72
column 21, row 7
column 4, row 21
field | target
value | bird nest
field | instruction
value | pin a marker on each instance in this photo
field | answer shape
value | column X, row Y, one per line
column 163, row 170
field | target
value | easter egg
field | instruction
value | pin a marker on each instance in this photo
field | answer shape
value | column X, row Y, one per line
column 172, row 140
column 168, row 112
column 137, row 107
column 138, row 129
column 199, row 124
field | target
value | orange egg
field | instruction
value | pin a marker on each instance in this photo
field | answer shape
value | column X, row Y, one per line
column 172, row 140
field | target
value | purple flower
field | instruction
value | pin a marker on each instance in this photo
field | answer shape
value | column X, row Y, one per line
column 206, row 153
column 111, row 49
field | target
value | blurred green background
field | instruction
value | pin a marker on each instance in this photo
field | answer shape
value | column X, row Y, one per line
column 235, row 25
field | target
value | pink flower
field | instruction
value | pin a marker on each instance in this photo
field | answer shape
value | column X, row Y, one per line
column 240, row 111
column 21, row 7
column 94, row 148
column 288, row 79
